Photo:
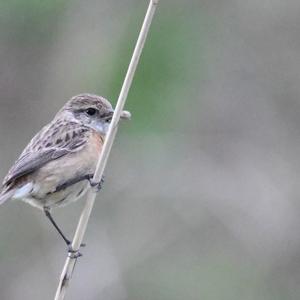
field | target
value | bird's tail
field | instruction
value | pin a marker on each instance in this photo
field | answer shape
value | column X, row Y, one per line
column 5, row 195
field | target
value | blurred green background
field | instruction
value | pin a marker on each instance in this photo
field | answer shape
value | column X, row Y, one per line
column 201, row 199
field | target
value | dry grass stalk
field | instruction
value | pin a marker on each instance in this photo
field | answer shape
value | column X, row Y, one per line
column 84, row 218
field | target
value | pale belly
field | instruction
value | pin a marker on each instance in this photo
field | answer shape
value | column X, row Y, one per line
column 40, row 187
column 58, row 199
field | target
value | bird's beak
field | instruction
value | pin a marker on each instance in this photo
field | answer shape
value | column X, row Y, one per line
column 125, row 115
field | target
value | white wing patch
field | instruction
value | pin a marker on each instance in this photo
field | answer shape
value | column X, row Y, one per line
column 23, row 192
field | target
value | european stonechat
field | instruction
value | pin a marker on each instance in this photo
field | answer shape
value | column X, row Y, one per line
column 54, row 168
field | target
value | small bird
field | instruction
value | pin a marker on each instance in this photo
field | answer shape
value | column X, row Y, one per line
column 54, row 168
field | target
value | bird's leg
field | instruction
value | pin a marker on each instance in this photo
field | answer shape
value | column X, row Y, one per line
column 77, row 179
column 49, row 216
column 67, row 241
column 73, row 181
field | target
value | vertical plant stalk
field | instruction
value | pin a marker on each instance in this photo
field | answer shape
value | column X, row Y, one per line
column 70, row 262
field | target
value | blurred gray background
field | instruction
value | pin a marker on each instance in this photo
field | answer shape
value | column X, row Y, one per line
column 201, row 199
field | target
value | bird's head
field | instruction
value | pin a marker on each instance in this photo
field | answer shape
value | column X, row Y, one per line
column 92, row 111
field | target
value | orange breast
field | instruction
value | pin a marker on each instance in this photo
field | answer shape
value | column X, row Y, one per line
column 95, row 145
column 69, row 166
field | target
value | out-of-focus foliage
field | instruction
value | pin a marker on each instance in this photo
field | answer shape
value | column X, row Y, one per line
column 201, row 193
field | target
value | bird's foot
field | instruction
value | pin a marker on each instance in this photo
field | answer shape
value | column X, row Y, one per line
column 73, row 253
column 97, row 185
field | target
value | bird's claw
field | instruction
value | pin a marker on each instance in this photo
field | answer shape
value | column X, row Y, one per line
column 73, row 253
column 97, row 185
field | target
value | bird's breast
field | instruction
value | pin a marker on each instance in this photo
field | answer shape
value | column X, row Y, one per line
column 61, row 170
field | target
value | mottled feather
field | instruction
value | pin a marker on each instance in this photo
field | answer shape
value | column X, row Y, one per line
column 52, row 142
column 53, row 169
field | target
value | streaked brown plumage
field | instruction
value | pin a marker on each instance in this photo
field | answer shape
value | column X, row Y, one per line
column 61, row 158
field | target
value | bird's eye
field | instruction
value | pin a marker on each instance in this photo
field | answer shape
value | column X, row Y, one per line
column 91, row 111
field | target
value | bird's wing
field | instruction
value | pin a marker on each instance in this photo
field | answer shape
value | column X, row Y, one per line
column 53, row 141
